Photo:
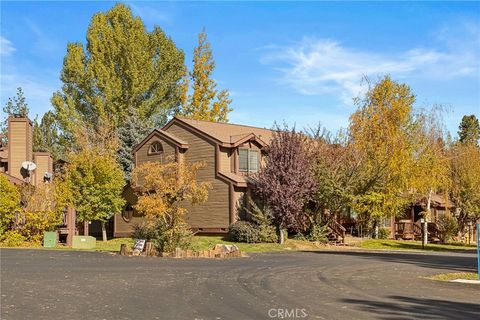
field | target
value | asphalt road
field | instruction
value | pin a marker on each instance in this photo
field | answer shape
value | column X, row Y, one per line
column 44, row 284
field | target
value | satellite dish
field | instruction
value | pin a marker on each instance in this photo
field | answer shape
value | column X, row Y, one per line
column 29, row 165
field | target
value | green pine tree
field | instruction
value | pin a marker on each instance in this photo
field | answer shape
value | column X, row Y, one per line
column 469, row 130
column 16, row 106
column 134, row 129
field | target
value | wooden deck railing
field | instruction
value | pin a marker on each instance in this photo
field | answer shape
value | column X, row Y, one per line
column 337, row 228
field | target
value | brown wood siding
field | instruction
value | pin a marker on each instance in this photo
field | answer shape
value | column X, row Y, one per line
column 43, row 162
column 215, row 212
column 225, row 161
column 20, row 142
column 122, row 228
column 142, row 156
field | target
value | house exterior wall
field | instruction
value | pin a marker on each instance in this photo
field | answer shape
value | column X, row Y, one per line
column 225, row 160
column 123, row 226
column 215, row 212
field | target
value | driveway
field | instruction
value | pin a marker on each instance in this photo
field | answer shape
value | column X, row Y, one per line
column 48, row 284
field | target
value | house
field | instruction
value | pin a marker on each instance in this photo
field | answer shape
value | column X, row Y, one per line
column 19, row 148
column 408, row 227
column 231, row 152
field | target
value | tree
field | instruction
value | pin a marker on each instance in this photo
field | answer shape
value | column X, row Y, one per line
column 15, row 106
column 430, row 171
column 47, row 136
column 96, row 183
column 381, row 131
column 163, row 190
column 286, row 183
column 122, row 66
column 206, row 102
column 469, row 130
column 465, row 186
column 9, row 203
column 338, row 172
column 130, row 134
column 43, row 209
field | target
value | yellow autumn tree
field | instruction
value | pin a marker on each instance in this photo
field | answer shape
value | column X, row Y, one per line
column 9, row 204
column 206, row 102
column 380, row 130
column 430, row 170
column 465, row 186
column 163, row 190
column 43, row 209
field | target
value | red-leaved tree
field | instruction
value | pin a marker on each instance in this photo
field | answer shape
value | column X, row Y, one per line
column 286, row 183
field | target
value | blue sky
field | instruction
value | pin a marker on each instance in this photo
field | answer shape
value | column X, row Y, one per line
column 301, row 63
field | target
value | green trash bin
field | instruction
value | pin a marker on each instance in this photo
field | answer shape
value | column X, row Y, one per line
column 50, row 239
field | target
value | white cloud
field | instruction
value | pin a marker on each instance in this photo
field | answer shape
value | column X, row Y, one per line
column 151, row 15
column 6, row 46
column 38, row 90
column 318, row 66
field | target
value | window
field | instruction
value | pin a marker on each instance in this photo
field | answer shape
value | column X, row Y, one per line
column 248, row 160
column 155, row 148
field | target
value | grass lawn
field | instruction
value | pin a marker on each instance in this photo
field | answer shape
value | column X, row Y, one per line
column 411, row 245
column 454, row 276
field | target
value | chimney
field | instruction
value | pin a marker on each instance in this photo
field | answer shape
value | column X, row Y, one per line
column 20, row 145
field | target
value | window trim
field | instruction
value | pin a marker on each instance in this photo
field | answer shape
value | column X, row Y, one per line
column 150, row 152
column 248, row 160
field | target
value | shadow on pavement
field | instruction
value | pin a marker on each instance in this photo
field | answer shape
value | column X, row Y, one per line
column 412, row 308
column 463, row 263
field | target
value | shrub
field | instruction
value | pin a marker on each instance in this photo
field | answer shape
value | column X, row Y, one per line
column 448, row 227
column 244, row 231
column 318, row 232
column 13, row 238
column 165, row 237
column 43, row 210
column 262, row 219
column 383, row 233
column 143, row 230
column 9, row 203
column 168, row 236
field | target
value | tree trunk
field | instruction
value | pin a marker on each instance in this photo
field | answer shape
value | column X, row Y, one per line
column 281, row 235
column 85, row 228
column 376, row 230
column 104, row 232
column 425, row 218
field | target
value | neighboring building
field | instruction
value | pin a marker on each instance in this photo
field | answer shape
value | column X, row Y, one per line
column 408, row 227
column 18, row 149
column 231, row 153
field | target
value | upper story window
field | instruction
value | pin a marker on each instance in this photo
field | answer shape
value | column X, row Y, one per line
column 155, row 148
column 248, row 160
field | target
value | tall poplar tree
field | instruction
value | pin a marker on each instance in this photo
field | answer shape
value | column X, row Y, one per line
column 206, row 102
column 122, row 66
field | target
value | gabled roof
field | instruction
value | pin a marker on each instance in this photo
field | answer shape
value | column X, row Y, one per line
column 227, row 134
column 166, row 135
